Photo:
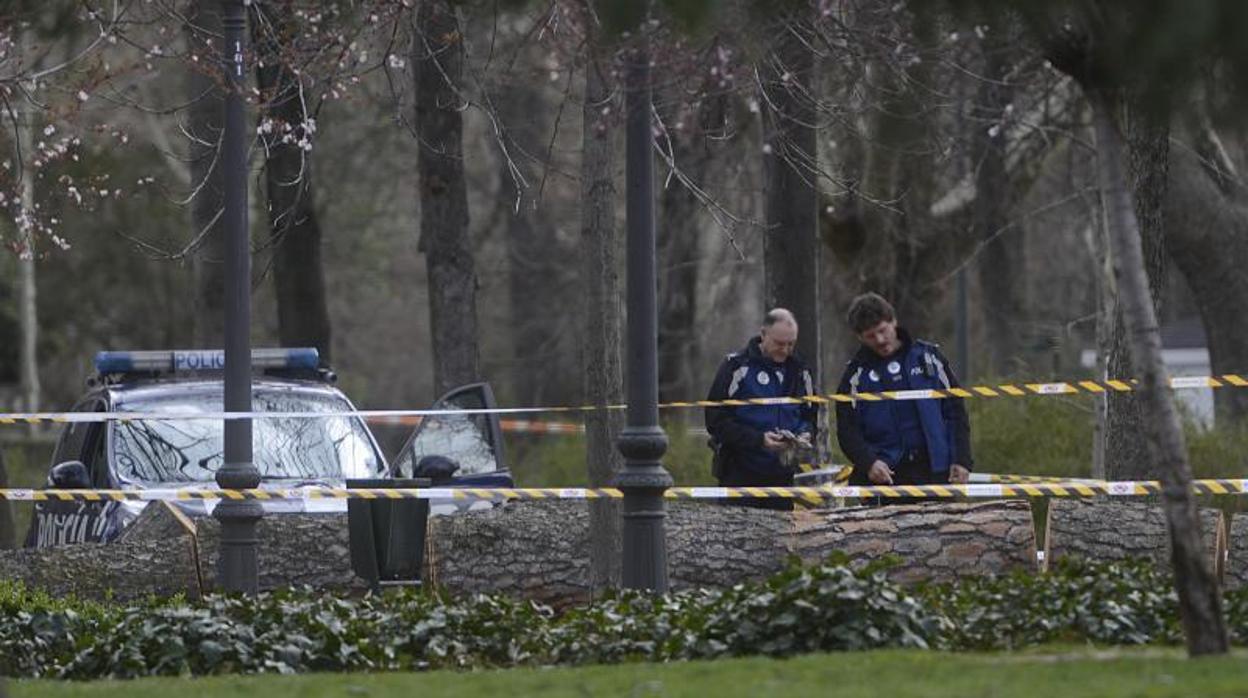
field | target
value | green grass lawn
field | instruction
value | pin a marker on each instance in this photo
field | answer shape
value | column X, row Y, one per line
column 896, row 674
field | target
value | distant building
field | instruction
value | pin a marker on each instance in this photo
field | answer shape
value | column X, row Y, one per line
column 1185, row 353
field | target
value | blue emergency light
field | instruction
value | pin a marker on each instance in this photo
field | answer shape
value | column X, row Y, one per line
column 189, row 361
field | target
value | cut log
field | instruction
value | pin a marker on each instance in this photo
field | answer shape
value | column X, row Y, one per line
column 160, row 564
column 540, row 550
column 1117, row 530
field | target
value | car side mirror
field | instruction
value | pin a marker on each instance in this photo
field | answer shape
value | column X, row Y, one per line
column 70, row 475
column 438, row 469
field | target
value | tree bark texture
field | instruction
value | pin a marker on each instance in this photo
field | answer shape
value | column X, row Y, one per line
column 1148, row 150
column 602, row 364
column 541, row 550
column 1207, row 237
column 1106, row 311
column 1118, row 530
column 885, row 236
column 8, row 528
column 679, row 235
column 438, row 59
column 205, row 119
column 710, row 545
column 535, row 275
column 790, row 194
column 27, row 271
column 1199, row 597
column 1001, row 266
column 295, row 233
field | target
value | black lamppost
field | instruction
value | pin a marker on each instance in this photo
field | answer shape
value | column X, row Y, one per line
column 642, row 441
column 237, row 569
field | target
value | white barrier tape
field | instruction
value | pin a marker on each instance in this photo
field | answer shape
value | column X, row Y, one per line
column 1002, row 390
column 992, row 491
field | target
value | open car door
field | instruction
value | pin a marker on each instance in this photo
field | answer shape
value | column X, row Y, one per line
column 457, row 450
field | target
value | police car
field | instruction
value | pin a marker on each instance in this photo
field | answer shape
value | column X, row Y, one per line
column 184, row 452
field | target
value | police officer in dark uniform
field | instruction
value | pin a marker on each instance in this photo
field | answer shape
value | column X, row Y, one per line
column 899, row 442
column 756, row 444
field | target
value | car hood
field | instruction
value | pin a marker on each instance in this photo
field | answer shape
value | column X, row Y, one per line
column 308, row 505
column 205, row 507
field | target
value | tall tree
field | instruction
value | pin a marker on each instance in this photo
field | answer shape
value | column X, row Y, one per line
column 1148, row 149
column 28, row 307
column 790, row 169
column 8, row 528
column 1206, row 235
column 1002, row 266
column 24, row 126
column 1118, row 50
column 205, row 116
column 531, row 267
column 690, row 125
column 287, row 125
column 438, row 61
column 884, row 234
column 1199, row 596
column 601, row 362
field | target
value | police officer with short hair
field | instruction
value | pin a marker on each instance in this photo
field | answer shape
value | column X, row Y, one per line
column 899, row 442
column 756, row 444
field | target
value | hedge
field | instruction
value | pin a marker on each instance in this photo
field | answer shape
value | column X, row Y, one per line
column 802, row 609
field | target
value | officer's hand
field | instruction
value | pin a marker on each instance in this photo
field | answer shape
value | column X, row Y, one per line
column 880, row 473
column 959, row 475
column 773, row 441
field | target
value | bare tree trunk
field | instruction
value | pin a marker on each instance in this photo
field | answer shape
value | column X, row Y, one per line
column 896, row 246
column 438, row 58
column 1199, row 598
column 533, row 263
column 1106, row 319
column 204, row 128
column 601, row 360
column 1148, row 136
column 8, row 527
column 715, row 546
column 542, row 550
column 790, row 196
column 28, row 308
column 1114, row 529
column 298, row 273
column 1207, row 237
column 1001, row 267
column 678, row 246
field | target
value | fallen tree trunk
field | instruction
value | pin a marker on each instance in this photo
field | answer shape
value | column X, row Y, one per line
column 1117, row 530
column 540, row 550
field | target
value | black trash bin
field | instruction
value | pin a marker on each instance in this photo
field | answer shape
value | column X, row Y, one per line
column 387, row 535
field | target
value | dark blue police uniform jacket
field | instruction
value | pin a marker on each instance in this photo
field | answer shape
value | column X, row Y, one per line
column 738, row 431
column 870, row 430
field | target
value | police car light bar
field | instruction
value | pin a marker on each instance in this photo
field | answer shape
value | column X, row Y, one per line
column 201, row 360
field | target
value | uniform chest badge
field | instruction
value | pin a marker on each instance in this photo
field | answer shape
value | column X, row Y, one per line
column 894, row 367
column 763, row 378
column 874, row 376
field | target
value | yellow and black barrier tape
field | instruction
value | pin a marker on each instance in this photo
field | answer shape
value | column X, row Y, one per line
column 840, row 473
column 1066, row 488
column 1021, row 389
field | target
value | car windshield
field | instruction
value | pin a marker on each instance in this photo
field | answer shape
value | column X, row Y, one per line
column 190, row 450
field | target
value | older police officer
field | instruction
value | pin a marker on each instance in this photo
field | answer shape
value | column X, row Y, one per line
column 750, row 440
